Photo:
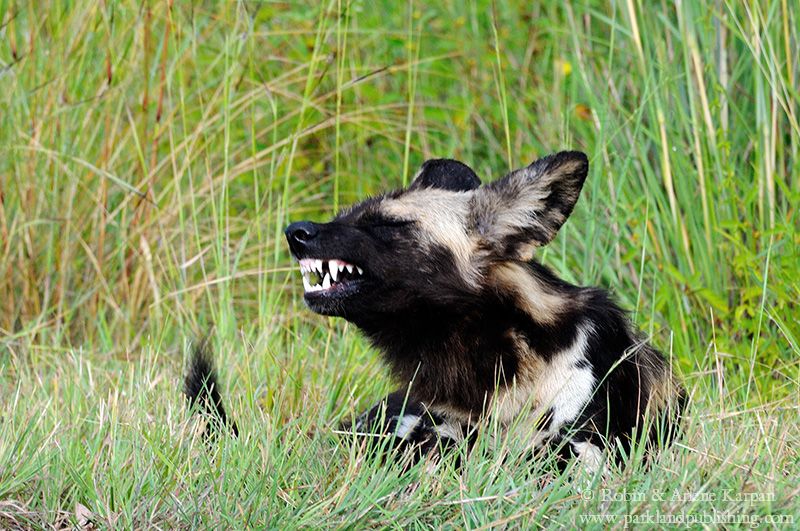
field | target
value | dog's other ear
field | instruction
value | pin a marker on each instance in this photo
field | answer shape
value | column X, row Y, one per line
column 525, row 209
column 445, row 174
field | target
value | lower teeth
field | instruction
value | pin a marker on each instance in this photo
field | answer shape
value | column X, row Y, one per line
column 315, row 279
column 311, row 282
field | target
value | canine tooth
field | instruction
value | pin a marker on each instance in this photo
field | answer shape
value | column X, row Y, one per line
column 334, row 269
column 326, row 282
column 349, row 268
column 306, row 284
column 360, row 271
column 318, row 265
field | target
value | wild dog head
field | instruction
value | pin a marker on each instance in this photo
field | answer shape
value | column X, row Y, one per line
column 434, row 242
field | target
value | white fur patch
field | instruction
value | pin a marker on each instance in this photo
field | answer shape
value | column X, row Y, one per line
column 590, row 456
column 559, row 387
column 406, row 425
column 565, row 387
column 449, row 431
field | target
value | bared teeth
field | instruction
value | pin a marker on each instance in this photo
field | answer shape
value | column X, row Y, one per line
column 328, row 270
column 333, row 267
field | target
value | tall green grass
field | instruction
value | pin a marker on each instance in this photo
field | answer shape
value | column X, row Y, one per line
column 152, row 152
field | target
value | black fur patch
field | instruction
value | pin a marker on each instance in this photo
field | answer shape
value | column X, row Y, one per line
column 202, row 391
column 446, row 174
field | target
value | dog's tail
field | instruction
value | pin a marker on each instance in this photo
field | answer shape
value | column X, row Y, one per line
column 202, row 391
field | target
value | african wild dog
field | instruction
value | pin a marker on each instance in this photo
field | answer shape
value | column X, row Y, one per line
column 440, row 278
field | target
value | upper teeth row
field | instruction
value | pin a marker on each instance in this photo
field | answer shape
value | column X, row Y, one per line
column 334, row 266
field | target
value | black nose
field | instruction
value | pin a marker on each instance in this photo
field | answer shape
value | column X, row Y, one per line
column 300, row 233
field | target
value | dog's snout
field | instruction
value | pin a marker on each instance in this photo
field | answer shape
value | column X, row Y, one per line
column 298, row 234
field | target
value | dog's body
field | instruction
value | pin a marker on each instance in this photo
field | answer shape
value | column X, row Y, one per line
column 440, row 278
column 585, row 377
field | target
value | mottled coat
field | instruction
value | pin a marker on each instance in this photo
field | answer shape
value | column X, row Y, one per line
column 441, row 278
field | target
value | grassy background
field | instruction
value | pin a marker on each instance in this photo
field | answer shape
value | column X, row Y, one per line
column 151, row 153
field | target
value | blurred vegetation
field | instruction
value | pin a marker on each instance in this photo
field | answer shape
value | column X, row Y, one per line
column 152, row 152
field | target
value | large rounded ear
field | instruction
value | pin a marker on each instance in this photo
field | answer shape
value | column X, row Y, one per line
column 445, row 174
column 525, row 209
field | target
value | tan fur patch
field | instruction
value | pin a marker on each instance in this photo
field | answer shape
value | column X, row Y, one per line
column 442, row 215
column 454, row 414
column 500, row 211
column 663, row 392
column 564, row 169
column 533, row 296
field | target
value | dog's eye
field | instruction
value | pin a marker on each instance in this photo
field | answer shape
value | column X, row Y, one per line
column 391, row 223
column 385, row 229
column 373, row 221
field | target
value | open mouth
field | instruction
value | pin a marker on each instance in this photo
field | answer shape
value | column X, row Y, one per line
column 324, row 276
